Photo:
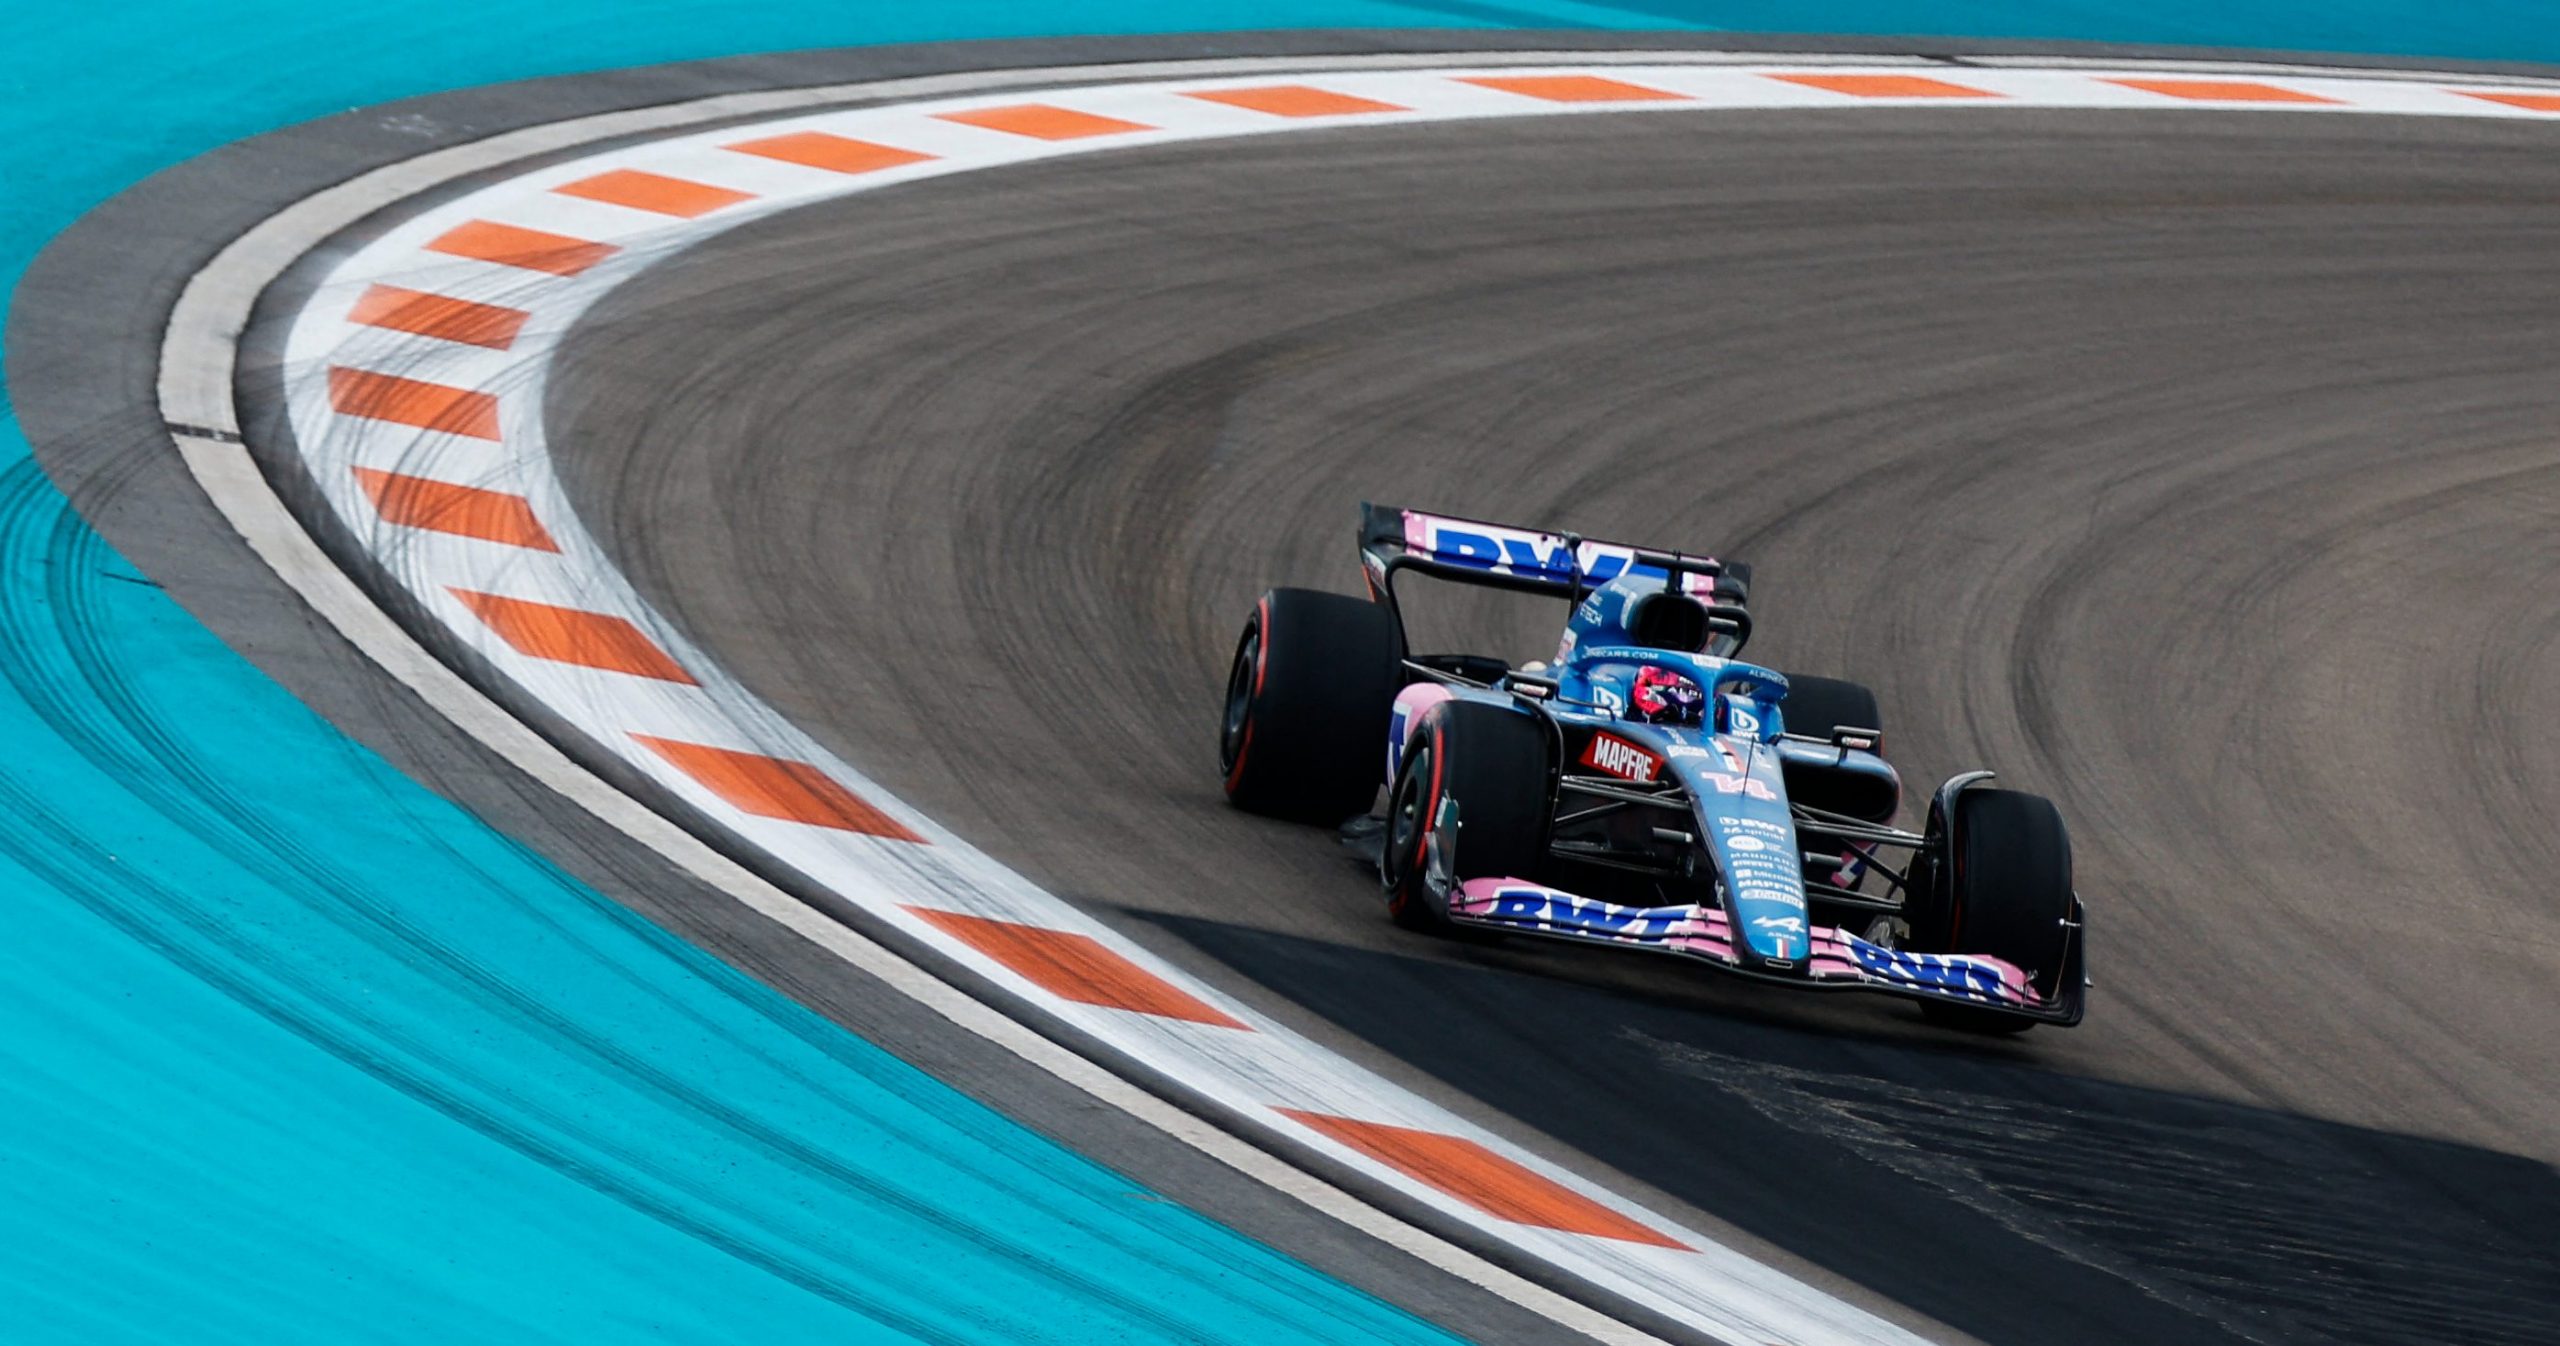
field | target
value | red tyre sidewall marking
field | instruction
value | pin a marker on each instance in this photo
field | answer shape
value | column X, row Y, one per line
column 1401, row 896
column 1261, row 664
column 1431, row 797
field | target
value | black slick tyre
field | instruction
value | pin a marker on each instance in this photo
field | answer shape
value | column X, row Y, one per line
column 2006, row 892
column 1491, row 761
column 1309, row 693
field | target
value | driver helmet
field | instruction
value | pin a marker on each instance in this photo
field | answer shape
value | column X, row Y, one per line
column 1662, row 696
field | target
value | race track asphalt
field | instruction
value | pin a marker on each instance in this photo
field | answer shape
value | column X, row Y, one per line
column 2200, row 471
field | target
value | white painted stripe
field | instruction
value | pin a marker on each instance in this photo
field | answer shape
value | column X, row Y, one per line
column 1246, row 1076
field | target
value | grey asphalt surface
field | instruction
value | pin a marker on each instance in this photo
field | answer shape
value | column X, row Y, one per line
column 2202, row 472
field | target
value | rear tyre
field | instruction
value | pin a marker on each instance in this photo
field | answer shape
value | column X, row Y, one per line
column 1308, row 696
column 2006, row 892
column 1492, row 761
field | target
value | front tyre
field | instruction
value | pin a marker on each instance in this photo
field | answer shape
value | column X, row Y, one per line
column 1309, row 692
column 1491, row 763
column 2005, row 892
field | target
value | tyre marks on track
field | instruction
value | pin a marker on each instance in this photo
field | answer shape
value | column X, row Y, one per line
column 2276, row 1229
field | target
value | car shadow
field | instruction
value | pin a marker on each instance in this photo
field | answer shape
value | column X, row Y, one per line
column 1958, row 1176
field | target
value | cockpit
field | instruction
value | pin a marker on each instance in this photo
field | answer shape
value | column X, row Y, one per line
column 1606, row 660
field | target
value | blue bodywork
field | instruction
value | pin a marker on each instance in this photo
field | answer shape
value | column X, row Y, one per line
column 1729, row 763
column 1730, row 759
column 1655, row 715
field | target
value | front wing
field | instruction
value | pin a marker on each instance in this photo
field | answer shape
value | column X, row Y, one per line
column 1834, row 958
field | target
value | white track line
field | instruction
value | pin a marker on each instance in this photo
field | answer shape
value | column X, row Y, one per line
column 469, row 416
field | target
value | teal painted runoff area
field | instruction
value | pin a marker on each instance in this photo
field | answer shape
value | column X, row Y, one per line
column 293, row 1051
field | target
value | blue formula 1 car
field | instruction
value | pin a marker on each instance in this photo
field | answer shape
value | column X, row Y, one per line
column 1649, row 790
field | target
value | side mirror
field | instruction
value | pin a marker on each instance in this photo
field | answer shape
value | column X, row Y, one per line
column 1864, row 740
column 1675, row 564
column 1732, row 621
column 1530, row 687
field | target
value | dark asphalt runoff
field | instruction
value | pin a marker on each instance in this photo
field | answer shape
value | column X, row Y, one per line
column 2200, row 471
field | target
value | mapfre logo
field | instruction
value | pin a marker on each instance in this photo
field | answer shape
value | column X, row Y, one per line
column 1622, row 759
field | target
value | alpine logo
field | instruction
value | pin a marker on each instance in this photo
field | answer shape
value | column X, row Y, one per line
column 1622, row 759
column 1738, row 785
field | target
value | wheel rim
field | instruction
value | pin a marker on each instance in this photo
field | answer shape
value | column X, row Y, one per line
column 1239, row 699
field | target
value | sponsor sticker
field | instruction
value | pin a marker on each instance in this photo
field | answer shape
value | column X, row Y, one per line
column 1622, row 759
column 1553, row 909
column 1945, row 972
column 1529, row 553
column 1729, row 784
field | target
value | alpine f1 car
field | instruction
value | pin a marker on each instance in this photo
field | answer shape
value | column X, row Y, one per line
column 1649, row 789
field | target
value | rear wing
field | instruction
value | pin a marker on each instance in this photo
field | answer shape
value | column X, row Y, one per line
column 1566, row 565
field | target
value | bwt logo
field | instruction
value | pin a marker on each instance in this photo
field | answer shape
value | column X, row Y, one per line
column 1622, row 759
column 1575, row 913
column 1953, row 974
column 1522, row 555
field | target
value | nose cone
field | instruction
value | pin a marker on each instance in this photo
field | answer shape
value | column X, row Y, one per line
column 1764, row 892
column 1739, row 793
